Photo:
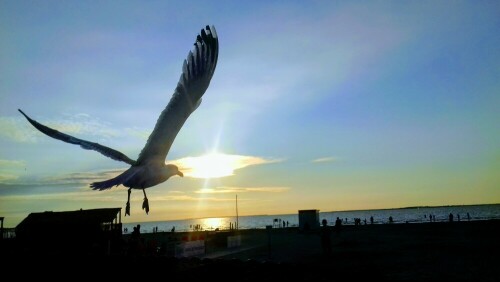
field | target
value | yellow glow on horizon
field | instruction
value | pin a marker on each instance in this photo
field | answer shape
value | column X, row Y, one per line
column 216, row 165
column 212, row 223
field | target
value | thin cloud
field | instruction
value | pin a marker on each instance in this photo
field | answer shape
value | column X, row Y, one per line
column 83, row 177
column 92, row 196
column 10, row 170
column 324, row 160
column 139, row 133
column 221, row 190
column 7, row 178
column 16, row 130
column 189, row 198
column 268, row 189
column 77, row 178
column 12, row 163
column 19, row 130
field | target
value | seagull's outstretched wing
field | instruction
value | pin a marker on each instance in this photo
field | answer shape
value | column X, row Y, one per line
column 197, row 72
column 108, row 152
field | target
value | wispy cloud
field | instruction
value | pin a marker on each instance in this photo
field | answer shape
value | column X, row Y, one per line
column 83, row 177
column 220, row 190
column 89, row 195
column 16, row 130
column 7, row 177
column 81, row 125
column 188, row 198
column 324, row 160
column 12, row 163
column 77, row 178
column 10, row 170
column 142, row 134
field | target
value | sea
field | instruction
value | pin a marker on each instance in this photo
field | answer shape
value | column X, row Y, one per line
column 401, row 215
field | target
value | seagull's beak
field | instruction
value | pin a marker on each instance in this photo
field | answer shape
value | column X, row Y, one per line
column 180, row 174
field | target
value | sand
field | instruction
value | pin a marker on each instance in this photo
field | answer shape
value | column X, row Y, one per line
column 458, row 251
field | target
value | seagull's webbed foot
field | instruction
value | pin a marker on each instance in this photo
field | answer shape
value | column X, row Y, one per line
column 127, row 207
column 145, row 204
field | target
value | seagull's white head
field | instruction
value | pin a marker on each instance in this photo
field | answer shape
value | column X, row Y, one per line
column 172, row 170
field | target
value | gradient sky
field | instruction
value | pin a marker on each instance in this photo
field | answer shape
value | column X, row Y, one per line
column 329, row 105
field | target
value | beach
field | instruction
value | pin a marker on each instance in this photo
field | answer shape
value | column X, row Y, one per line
column 456, row 251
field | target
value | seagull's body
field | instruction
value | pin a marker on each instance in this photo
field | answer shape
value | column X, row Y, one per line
column 150, row 168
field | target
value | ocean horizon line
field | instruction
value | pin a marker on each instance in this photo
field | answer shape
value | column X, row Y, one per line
column 287, row 214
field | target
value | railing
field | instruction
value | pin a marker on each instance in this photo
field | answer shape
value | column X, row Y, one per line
column 8, row 233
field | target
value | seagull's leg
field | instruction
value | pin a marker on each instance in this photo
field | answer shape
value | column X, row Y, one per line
column 127, row 207
column 145, row 204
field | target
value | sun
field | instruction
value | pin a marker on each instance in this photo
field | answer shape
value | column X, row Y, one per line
column 216, row 165
column 212, row 165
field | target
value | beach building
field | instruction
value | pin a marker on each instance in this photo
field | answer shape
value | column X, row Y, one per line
column 308, row 220
column 90, row 231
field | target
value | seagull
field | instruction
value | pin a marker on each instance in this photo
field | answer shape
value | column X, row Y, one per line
column 150, row 168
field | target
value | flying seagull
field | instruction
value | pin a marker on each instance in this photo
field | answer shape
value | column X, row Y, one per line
column 150, row 168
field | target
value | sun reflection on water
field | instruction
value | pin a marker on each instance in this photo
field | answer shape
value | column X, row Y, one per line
column 213, row 223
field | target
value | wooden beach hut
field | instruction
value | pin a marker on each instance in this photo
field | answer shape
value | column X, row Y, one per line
column 94, row 230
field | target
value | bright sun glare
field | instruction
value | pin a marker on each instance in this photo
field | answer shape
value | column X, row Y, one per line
column 210, row 223
column 212, row 165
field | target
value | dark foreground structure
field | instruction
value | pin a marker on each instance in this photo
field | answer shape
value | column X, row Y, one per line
column 456, row 251
column 80, row 232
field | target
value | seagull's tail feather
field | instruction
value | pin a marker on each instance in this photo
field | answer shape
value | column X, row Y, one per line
column 119, row 180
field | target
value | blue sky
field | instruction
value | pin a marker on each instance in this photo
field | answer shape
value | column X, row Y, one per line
column 328, row 105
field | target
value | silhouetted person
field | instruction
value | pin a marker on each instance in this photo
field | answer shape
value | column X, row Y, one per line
column 390, row 219
column 371, row 219
column 135, row 241
column 338, row 224
column 458, row 217
column 326, row 240
column 287, row 223
column 468, row 216
column 450, row 217
column 173, row 229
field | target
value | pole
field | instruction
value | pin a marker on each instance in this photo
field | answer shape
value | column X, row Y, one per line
column 236, row 212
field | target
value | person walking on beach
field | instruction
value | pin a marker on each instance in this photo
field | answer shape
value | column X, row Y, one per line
column 338, row 224
column 326, row 238
column 371, row 219
column 450, row 217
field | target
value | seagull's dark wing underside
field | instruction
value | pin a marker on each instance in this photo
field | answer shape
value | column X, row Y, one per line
column 197, row 72
column 108, row 152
